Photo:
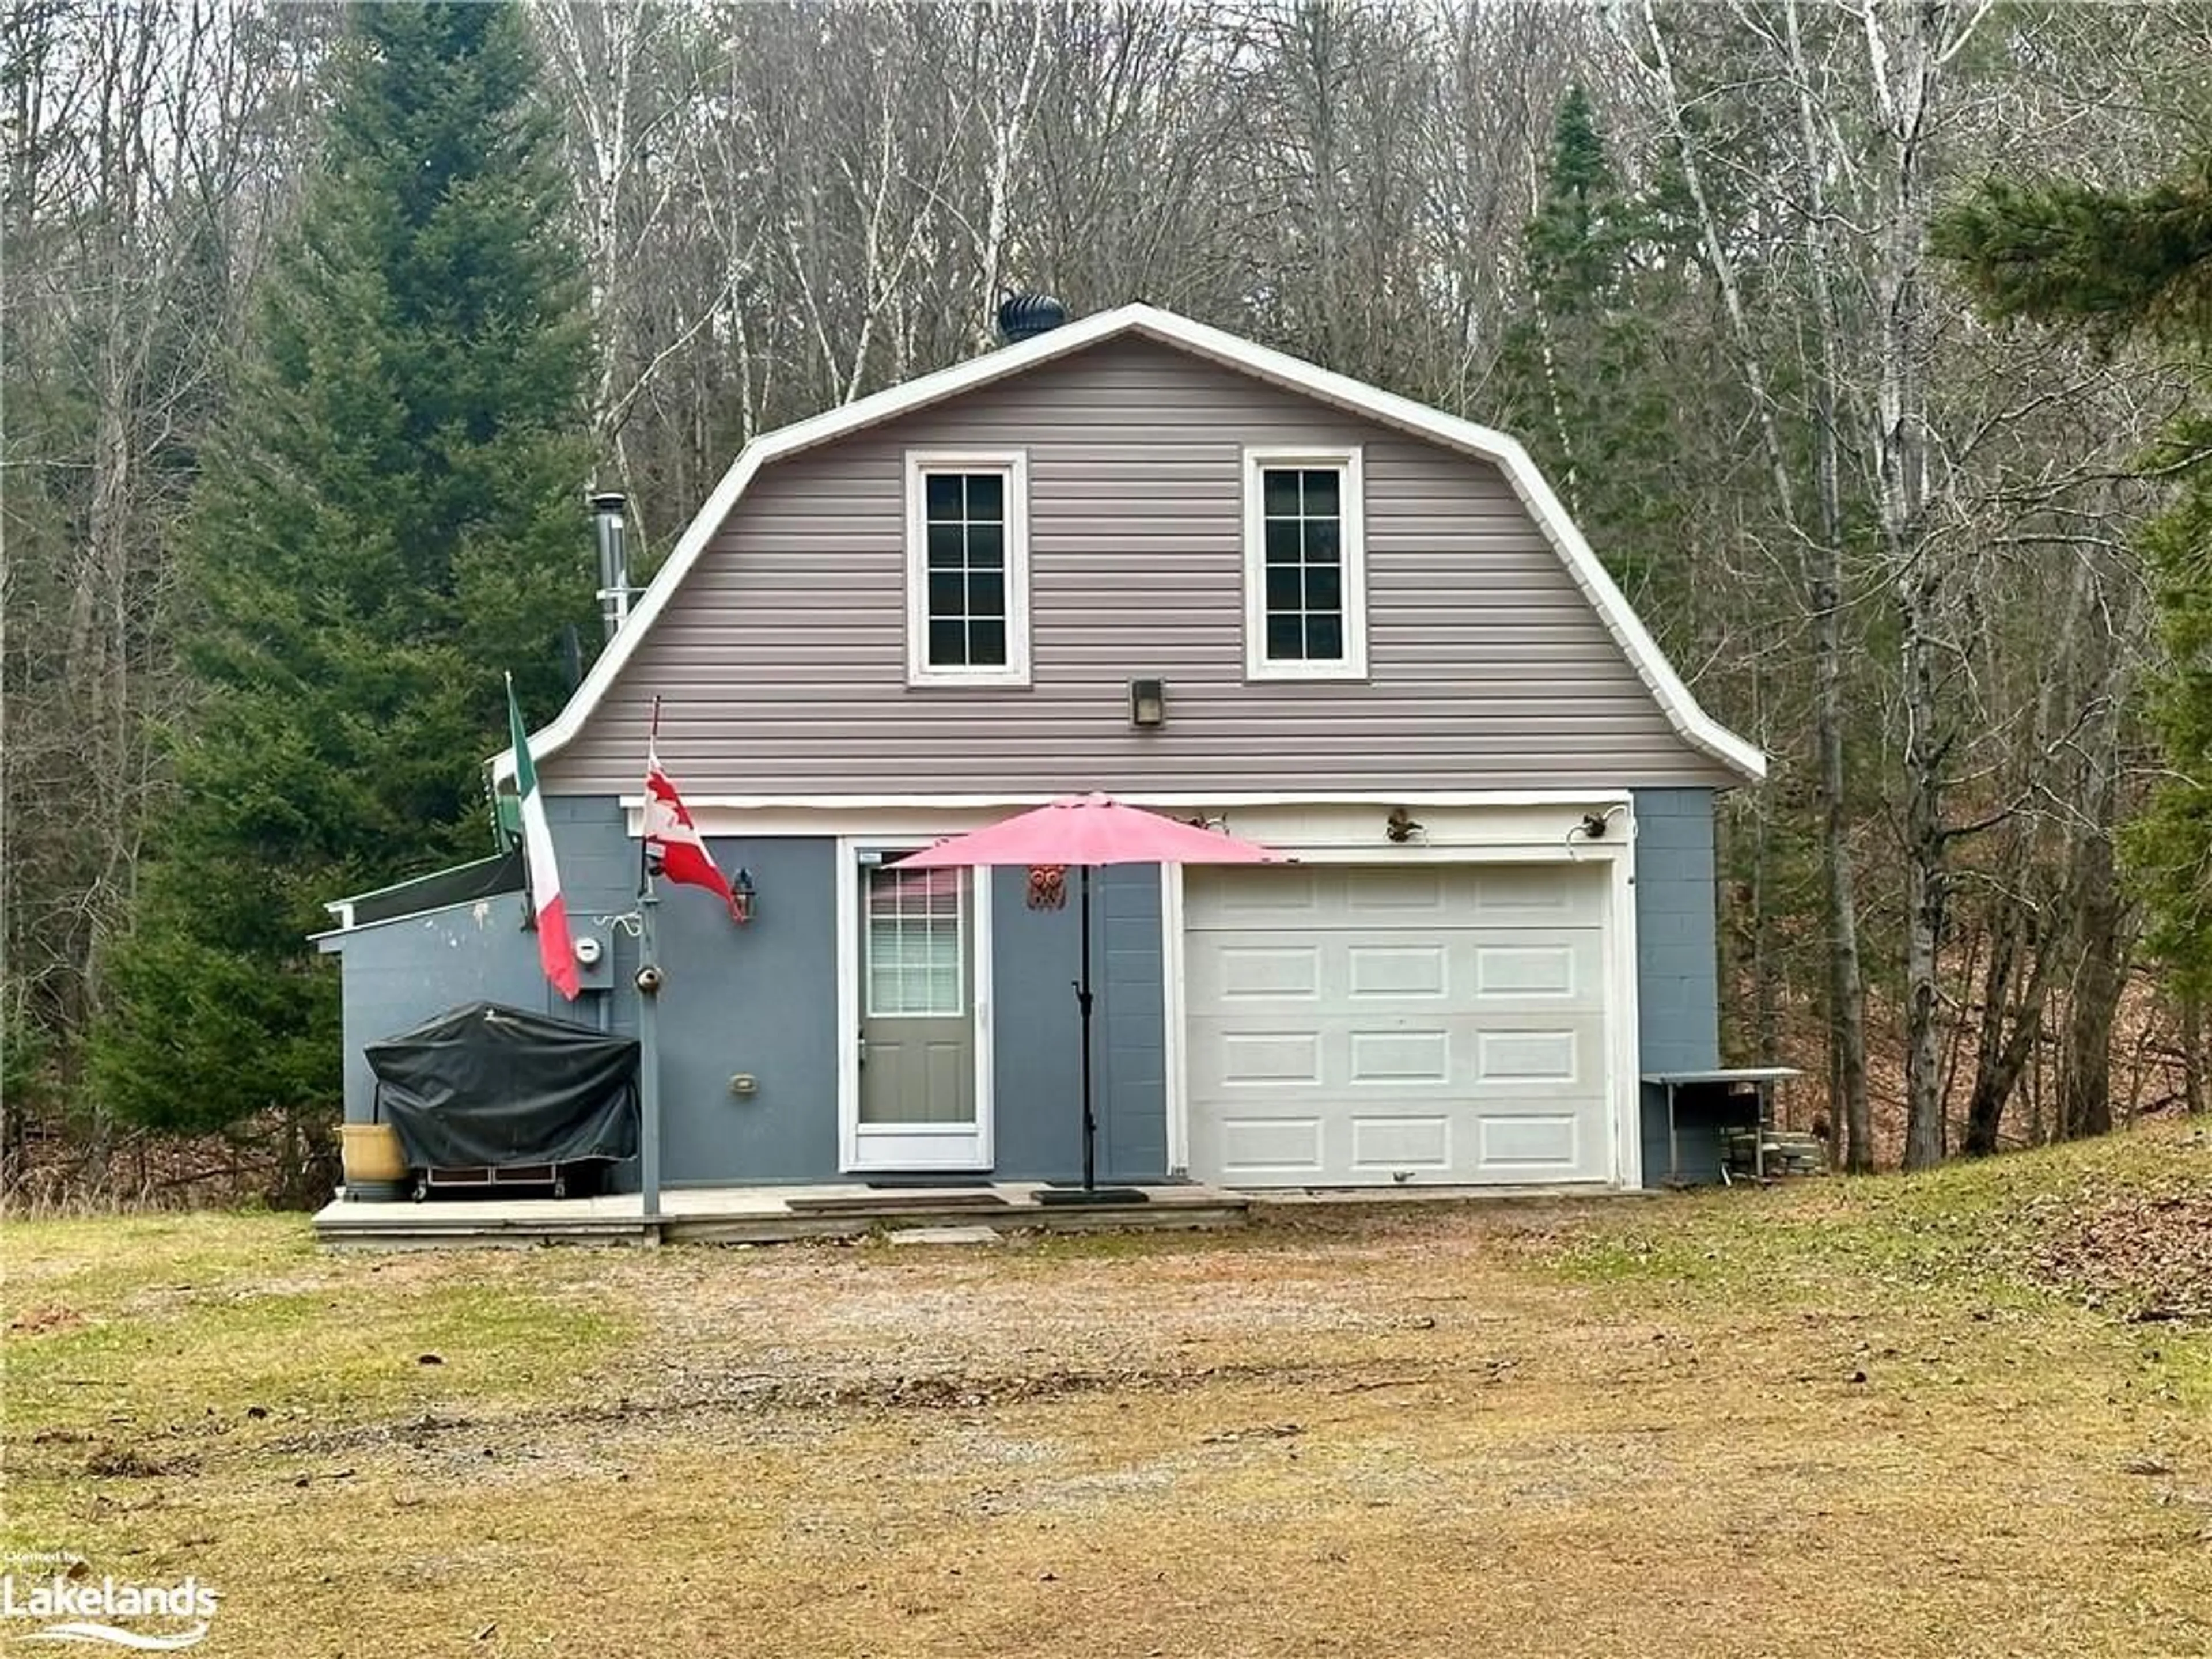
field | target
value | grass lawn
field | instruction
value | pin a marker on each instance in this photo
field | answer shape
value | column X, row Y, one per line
column 1892, row 1418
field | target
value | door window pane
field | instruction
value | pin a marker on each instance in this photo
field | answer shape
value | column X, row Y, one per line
column 914, row 936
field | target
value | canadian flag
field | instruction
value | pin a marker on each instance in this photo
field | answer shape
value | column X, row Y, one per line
column 673, row 843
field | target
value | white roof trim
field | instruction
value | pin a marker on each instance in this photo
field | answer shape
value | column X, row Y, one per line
column 1697, row 728
column 1597, row 795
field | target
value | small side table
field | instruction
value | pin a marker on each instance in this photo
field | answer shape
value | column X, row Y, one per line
column 1722, row 1080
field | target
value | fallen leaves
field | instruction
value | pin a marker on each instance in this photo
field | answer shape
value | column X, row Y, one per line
column 2145, row 1254
column 47, row 1320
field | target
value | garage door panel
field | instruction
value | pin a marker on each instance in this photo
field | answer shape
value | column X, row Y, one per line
column 1417, row 969
column 1535, row 895
column 1508, row 970
column 1531, row 1056
column 1261, row 970
column 1536, row 1059
column 1264, row 1150
column 1397, row 1058
column 1539, row 1146
column 1384, row 1145
column 1554, row 968
column 1388, row 897
column 1287, row 895
column 1270, row 1058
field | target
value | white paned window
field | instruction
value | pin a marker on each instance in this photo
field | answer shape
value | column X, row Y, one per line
column 1306, row 565
column 967, row 568
column 916, row 920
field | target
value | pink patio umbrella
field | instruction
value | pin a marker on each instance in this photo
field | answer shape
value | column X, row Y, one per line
column 1087, row 831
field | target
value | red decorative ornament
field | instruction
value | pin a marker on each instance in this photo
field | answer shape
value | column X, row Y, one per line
column 1048, row 888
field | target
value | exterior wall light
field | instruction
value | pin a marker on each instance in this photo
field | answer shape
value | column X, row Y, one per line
column 1148, row 703
column 743, row 896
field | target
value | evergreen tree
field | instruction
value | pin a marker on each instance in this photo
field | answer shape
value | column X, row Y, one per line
column 1581, row 376
column 2110, row 264
column 389, row 521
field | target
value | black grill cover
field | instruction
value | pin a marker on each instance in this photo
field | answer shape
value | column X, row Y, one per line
column 485, row 1084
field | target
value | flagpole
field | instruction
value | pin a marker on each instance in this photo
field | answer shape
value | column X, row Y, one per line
column 648, row 1026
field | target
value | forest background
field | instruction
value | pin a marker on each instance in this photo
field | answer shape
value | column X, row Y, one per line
column 1820, row 317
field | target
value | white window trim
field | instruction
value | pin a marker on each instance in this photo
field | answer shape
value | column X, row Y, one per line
column 1014, row 464
column 1353, row 664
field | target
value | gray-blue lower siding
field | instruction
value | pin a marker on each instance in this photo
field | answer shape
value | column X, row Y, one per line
column 762, row 1000
column 1677, row 969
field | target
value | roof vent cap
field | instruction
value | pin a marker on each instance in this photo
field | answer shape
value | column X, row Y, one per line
column 1024, row 316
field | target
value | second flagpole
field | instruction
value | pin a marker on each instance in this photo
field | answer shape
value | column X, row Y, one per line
column 648, row 1023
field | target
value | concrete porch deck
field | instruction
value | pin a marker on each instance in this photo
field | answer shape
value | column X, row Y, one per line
column 755, row 1215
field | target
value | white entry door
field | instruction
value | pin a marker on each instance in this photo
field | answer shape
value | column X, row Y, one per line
column 1361, row 1026
column 920, row 1095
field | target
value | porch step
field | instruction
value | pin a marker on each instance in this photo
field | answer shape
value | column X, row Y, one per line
column 908, row 1203
column 946, row 1236
column 758, row 1215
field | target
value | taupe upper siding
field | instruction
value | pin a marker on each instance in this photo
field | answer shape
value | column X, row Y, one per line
column 782, row 657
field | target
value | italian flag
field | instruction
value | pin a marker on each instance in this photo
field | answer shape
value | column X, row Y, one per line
column 554, row 951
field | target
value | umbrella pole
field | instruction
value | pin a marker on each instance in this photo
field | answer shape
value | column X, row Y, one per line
column 1082, row 1007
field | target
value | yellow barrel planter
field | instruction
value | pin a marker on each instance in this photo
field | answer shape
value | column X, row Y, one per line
column 374, row 1165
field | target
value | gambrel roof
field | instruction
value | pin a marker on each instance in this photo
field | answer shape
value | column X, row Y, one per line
column 1696, row 727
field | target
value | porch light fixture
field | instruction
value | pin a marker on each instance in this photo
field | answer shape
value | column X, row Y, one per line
column 742, row 894
column 1148, row 703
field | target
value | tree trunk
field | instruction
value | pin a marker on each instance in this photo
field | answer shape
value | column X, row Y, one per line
column 1985, row 1106
column 2192, row 1052
column 1905, row 76
column 1846, row 973
column 2085, row 1088
column 1823, row 564
column 2002, row 1054
column 1927, row 889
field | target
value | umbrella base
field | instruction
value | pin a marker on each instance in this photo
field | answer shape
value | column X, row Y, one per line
column 1058, row 1195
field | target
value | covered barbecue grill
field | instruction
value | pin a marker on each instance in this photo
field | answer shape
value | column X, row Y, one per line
column 485, row 1095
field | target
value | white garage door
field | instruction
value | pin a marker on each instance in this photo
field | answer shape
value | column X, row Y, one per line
column 1356, row 1025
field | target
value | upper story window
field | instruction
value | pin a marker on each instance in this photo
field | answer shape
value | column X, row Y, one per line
column 1306, row 565
column 967, row 568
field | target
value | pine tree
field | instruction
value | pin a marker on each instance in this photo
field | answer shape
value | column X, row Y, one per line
column 1582, row 378
column 389, row 521
column 2111, row 264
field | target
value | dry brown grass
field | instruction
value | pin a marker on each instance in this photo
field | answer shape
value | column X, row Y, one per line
column 1832, row 1420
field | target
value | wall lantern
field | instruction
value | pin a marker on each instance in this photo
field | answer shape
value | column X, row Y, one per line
column 1148, row 703
column 742, row 895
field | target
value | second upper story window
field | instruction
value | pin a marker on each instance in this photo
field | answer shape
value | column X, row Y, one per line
column 1305, row 567
column 967, row 568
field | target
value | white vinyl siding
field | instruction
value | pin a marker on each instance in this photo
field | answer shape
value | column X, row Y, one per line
column 967, row 568
column 1306, row 565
